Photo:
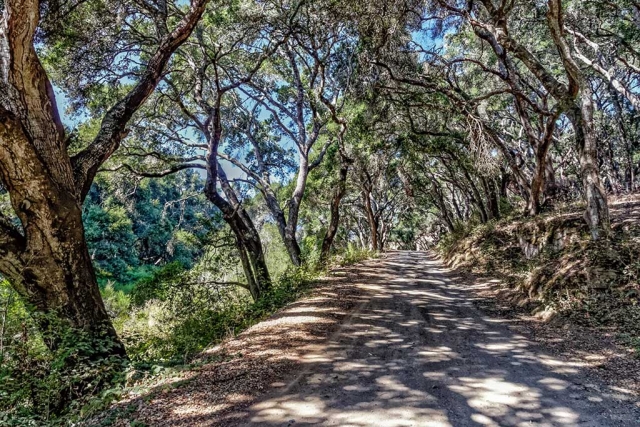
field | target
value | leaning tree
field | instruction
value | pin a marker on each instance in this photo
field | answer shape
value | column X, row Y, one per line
column 93, row 48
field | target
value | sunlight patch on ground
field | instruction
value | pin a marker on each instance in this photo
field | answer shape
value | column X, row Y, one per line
column 555, row 384
column 295, row 320
column 438, row 354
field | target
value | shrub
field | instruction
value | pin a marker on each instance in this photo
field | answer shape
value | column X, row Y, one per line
column 42, row 387
column 355, row 254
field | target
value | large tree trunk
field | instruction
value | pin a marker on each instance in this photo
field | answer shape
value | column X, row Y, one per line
column 52, row 271
column 538, row 184
column 247, row 237
column 505, row 178
column 47, row 260
column 534, row 204
column 292, row 246
column 334, row 221
column 361, row 234
column 253, row 262
column 248, row 234
column 597, row 210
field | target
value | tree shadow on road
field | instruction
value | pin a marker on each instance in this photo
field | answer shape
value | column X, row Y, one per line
column 409, row 349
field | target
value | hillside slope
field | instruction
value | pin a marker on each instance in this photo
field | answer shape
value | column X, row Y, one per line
column 548, row 266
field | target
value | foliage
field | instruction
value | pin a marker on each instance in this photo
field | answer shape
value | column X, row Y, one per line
column 158, row 334
column 37, row 386
column 450, row 123
column 354, row 255
column 134, row 226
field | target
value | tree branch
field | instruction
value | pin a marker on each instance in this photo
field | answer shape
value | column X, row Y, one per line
column 158, row 174
column 112, row 130
column 320, row 157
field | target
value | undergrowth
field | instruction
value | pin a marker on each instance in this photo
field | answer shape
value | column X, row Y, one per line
column 592, row 283
column 163, row 328
column 355, row 254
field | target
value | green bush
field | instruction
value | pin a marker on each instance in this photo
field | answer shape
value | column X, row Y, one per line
column 355, row 254
column 172, row 330
column 43, row 387
column 39, row 387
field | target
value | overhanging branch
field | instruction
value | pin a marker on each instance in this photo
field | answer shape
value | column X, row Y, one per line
column 112, row 129
column 157, row 174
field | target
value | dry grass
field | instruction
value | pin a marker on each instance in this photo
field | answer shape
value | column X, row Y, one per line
column 227, row 378
column 582, row 301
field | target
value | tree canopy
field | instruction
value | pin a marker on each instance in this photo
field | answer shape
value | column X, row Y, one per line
column 195, row 154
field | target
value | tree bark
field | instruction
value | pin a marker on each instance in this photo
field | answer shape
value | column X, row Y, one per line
column 49, row 264
column 597, row 210
column 492, row 197
column 541, row 171
column 47, row 260
column 290, row 240
column 334, row 221
column 248, row 243
column 371, row 218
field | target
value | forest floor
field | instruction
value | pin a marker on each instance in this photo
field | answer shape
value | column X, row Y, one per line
column 398, row 341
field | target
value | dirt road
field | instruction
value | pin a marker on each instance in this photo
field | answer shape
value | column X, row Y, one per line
column 416, row 352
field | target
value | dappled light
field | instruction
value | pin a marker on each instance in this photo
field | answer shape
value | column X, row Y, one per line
column 319, row 212
column 408, row 352
column 508, row 381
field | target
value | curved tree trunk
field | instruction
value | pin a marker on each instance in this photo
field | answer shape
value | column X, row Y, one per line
column 47, row 260
column 251, row 252
column 292, row 246
column 248, row 244
column 248, row 239
column 334, row 221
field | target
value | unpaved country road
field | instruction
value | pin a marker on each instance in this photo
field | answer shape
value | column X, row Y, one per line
column 416, row 352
